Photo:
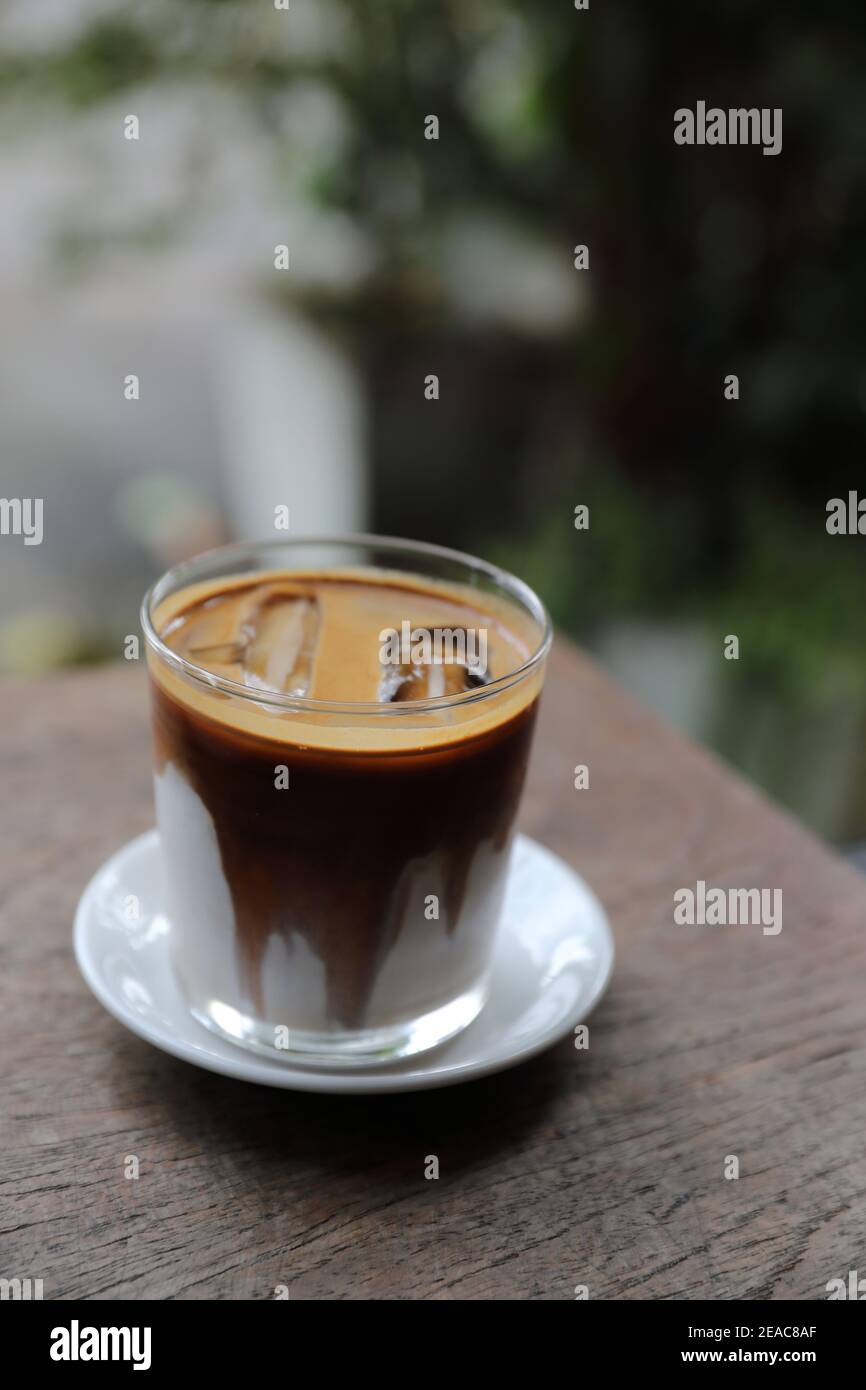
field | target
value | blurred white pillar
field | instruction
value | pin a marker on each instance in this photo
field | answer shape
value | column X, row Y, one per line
column 293, row 427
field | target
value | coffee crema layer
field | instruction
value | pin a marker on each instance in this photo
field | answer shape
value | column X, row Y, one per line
column 364, row 885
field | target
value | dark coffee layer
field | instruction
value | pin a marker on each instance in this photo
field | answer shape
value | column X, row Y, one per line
column 328, row 857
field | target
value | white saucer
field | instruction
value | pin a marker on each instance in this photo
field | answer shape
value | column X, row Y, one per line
column 553, row 960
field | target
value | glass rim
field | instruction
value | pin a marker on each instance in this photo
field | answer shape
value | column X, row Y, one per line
column 509, row 583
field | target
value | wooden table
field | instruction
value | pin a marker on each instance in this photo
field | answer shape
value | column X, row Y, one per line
column 602, row 1167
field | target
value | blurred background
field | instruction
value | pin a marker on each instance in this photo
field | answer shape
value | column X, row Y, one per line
column 455, row 257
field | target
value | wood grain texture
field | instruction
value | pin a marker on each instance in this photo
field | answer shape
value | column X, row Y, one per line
column 602, row 1167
